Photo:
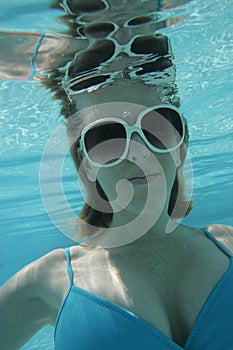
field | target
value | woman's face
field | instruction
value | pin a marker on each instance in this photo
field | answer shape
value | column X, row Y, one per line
column 142, row 173
column 141, row 181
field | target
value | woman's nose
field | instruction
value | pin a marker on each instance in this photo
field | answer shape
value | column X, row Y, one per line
column 138, row 150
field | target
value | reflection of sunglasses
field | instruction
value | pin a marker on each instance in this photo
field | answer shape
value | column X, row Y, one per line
column 105, row 142
column 89, row 69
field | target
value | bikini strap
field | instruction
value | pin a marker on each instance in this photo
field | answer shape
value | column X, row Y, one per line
column 69, row 267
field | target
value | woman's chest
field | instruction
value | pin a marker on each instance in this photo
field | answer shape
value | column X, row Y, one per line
column 168, row 298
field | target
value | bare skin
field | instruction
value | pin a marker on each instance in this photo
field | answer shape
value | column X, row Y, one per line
column 163, row 278
column 166, row 284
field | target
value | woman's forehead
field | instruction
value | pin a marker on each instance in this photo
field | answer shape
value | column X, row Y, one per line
column 126, row 111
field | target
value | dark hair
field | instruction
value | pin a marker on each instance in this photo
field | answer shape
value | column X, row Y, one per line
column 89, row 59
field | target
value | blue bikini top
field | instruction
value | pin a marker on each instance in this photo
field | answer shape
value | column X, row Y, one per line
column 87, row 321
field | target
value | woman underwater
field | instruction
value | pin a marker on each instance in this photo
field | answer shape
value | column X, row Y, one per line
column 142, row 280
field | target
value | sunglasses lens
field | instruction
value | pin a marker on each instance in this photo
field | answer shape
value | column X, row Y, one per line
column 105, row 143
column 163, row 128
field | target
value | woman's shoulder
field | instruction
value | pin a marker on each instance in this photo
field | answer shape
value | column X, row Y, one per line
column 41, row 270
column 51, row 277
column 31, row 273
column 45, row 278
column 49, row 262
column 220, row 229
column 36, row 292
column 223, row 234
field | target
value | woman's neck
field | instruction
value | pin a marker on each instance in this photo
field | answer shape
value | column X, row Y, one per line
column 126, row 228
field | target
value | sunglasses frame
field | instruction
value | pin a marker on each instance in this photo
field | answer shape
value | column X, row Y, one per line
column 130, row 129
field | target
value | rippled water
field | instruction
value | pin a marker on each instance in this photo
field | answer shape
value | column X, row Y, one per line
column 202, row 46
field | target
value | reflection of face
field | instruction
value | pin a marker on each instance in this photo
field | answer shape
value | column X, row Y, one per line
column 125, row 91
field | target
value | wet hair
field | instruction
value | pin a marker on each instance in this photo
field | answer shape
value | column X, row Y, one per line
column 156, row 68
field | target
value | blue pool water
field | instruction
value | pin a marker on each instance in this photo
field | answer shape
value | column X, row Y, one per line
column 203, row 47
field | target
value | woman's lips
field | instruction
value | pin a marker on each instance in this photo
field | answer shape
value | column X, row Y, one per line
column 141, row 180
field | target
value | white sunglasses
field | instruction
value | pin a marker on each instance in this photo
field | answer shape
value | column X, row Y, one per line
column 105, row 142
